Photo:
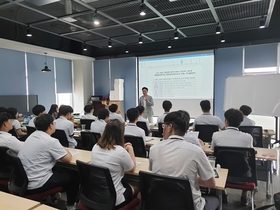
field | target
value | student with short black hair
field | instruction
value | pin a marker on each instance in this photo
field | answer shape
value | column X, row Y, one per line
column 131, row 128
column 6, row 139
column 246, row 110
column 37, row 110
column 166, row 105
column 16, row 124
column 39, row 154
column 98, row 125
column 141, row 110
column 89, row 112
column 175, row 157
column 114, row 114
column 64, row 122
column 3, row 109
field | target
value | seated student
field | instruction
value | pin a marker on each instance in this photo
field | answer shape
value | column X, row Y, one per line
column 131, row 128
column 111, row 152
column 98, row 125
column 6, row 139
column 141, row 110
column 166, row 105
column 37, row 110
column 178, row 158
column 206, row 118
column 54, row 111
column 114, row 115
column 64, row 122
column 39, row 154
column 246, row 110
column 3, row 109
column 232, row 137
column 16, row 124
column 89, row 112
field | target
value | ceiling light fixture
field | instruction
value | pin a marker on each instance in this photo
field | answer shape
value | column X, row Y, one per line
column 28, row 33
column 176, row 35
column 262, row 22
column 169, row 44
column 95, row 19
column 46, row 69
column 126, row 49
column 140, row 39
column 84, row 46
column 223, row 39
column 142, row 9
column 218, row 29
column 109, row 43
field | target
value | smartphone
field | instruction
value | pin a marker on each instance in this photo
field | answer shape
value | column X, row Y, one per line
column 216, row 175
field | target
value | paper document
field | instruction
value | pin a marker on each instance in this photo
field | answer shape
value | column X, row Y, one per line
column 149, row 138
column 193, row 133
column 137, row 162
column 74, row 153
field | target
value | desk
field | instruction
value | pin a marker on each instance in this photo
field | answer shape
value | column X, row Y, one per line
column 13, row 202
column 154, row 140
column 267, row 134
column 153, row 128
column 44, row 207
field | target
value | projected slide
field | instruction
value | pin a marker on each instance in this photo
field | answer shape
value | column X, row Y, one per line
column 178, row 77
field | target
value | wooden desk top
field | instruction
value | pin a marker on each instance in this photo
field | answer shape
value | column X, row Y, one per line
column 268, row 132
column 13, row 202
column 153, row 141
column 143, row 165
column 44, row 207
column 78, row 154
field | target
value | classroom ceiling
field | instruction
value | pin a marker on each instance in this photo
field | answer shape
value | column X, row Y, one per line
column 121, row 24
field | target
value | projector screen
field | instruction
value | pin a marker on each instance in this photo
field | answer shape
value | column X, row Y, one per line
column 184, row 79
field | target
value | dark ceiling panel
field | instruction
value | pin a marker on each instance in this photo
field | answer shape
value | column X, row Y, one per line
column 107, row 3
column 199, row 30
column 131, row 39
column 103, row 43
column 149, row 26
column 3, row 2
column 114, row 31
column 257, row 8
column 58, row 27
column 84, row 36
column 165, row 7
column 128, row 12
column 192, row 19
column 22, row 14
column 245, row 24
column 164, row 35
column 227, row 2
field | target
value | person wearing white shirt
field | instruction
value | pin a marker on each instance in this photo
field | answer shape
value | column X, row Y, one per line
column 6, row 139
column 246, row 110
column 131, row 128
column 98, row 125
column 166, row 105
column 232, row 137
column 175, row 157
column 64, row 123
column 39, row 154
column 111, row 152
column 89, row 112
column 206, row 118
column 16, row 124
column 37, row 110
column 114, row 115
column 141, row 110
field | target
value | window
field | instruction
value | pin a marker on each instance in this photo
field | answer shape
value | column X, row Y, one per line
column 64, row 99
column 262, row 70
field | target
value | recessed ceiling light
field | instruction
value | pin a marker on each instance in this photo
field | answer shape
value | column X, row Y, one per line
column 69, row 19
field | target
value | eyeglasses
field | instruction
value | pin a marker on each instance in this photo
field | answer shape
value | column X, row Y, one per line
column 163, row 125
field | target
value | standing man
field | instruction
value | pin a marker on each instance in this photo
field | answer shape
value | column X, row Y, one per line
column 147, row 102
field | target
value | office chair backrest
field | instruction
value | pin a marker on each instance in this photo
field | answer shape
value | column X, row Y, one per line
column 13, row 132
column 18, row 181
column 30, row 130
column 89, row 139
column 164, row 192
column 206, row 132
column 240, row 162
column 255, row 132
column 61, row 136
column 97, row 188
column 5, row 164
column 86, row 122
column 137, row 144
column 143, row 125
column 160, row 129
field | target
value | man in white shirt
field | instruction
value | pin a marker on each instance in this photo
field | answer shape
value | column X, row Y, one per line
column 246, row 110
column 131, row 128
column 166, row 105
column 141, row 110
column 39, row 154
column 37, row 110
column 232, row 137
column 64, row 123
column 89, row 112
column 114, row 115
column 176, row 157
column 6, row 139
column 206, row 118
column 98, row 125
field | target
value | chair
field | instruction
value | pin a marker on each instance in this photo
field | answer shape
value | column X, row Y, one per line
column 206, row 132
column 143, row 125
column 5, row 169
column 30, row 130
column 61, row 136
column 13, row 132
column 164, row 192
column 18, row 181
column 255, row 132
column 241, row 166
column 137, row 144
column 160, row 129
column 89, row 139
column 86, row 122
column 97, row 189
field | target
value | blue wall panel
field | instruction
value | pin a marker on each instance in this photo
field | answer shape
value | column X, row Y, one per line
column 101, row 78
column 63, row 75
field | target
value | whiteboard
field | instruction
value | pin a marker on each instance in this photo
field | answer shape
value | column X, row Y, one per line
column 260, row 92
